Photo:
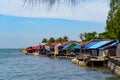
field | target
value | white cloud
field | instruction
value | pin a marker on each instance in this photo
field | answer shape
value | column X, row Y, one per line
column 96, row 10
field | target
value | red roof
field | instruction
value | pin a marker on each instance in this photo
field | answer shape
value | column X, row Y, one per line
column 33, row 48
column 65, row 43
column 54, row 43
column 36, row 47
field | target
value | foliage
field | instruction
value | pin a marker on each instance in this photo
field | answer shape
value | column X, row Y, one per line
column 59, row 39
column 45, row 40
column 65, row 38
column 113, row 20
column 51, row 40
column 104, row 35
column 88, row 36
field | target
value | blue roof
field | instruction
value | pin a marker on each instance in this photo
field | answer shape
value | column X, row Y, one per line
column 90, row 44
column 65, row 47
column 99, row 44
column 115, row 43
column 112, row 45
column 77, row 47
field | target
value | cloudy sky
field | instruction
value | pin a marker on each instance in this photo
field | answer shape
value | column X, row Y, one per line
column 22, row 26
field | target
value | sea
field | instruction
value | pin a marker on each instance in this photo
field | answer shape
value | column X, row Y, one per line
column 16, row 66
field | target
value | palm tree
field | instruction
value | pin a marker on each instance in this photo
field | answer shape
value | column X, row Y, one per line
column 52, row 2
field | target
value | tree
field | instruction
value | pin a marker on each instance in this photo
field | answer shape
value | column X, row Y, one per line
column 59, row 39
column 91, row 35
column 45, row 40
column 82, row 36
column 104, row 35
column 65, row 38
column 113, row 20
column 88, row 36
column 51, row 40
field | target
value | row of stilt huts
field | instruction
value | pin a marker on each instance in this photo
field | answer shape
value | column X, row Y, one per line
column 93, row 52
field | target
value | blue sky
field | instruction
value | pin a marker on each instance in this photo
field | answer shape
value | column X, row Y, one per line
column 18, row 29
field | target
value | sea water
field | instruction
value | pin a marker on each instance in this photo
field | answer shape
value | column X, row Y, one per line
column 16, row 66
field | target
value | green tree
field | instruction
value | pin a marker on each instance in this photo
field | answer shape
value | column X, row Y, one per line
column 91, row 35
column 51, row 40
column 88, row 36
column 45, row 40
column 65, row 38
column 59, row 39
column 83, row 36
column 113, row 20
column 103, row 35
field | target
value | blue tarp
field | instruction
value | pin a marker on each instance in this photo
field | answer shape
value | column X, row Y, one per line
column 112, row 45
column 65, row 47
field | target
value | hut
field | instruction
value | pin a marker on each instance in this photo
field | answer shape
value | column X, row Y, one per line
column 52, row 48
column 109, row 49
column 94, row 48
column 69, row 49
column 57, row 48
column 32, row 49
column 76, row 49
column 47, row 47
column 99, row 51
column 86, row 45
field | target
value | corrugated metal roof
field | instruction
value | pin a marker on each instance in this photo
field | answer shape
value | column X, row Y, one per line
column 99, row 44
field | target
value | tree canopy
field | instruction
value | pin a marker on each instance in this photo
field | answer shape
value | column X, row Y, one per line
column 88, row 36
column 113, row 20
column 52, row 39
column 45, row 40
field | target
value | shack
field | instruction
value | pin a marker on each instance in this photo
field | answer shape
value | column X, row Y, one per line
column 99, row 48
column 109, row 50
column 97, row 51
column 69, row 49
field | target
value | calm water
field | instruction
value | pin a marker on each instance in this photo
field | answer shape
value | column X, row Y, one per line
column 16, row 66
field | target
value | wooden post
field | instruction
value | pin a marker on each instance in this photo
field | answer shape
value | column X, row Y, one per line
column 92, row 64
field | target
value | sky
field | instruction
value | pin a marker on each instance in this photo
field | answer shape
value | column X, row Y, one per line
column 23, row 26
